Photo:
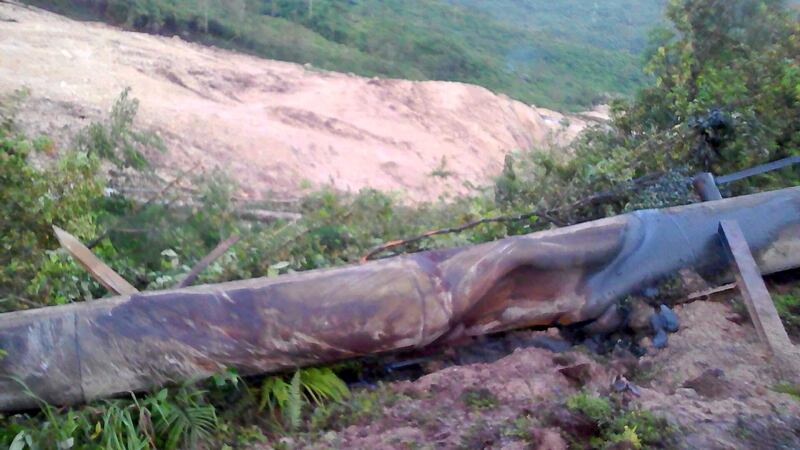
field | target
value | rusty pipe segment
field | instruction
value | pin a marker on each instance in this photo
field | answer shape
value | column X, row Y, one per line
column 79, row 352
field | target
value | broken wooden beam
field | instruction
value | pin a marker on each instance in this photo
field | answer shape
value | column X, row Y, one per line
column 221, row 248
column 756, row 297
column 573, row 275
column 97, row 269
column 707, row 293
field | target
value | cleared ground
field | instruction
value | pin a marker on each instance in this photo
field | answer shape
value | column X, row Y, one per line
column 274, row 126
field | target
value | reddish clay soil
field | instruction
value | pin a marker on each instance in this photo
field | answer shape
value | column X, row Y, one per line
column 713, row 384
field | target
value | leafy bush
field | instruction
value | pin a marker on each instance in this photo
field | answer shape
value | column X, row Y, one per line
column 117, row 140
column 724, row 98
column 34, row 199
column 594, row 407
column 167, row 419
column 616, row 423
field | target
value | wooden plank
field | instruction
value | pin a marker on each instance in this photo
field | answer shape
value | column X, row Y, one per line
column 97, row 269
column 756, row 296
column 221, row 248
column 757, row 170
column 707, row 293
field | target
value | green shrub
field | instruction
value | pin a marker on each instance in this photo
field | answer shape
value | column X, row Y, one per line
column 616, row 423
column 788, row 306
column 116, row 139
column 594, row 407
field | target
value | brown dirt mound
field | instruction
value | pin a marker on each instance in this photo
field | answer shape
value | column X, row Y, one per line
column 713, row 384
column 271, row 124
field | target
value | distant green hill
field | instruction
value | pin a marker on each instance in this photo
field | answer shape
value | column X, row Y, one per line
column 562, row 54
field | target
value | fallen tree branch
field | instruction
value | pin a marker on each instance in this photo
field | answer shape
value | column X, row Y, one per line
column 396, row 243
column 547, row 215
column 23, row 300
column 221, row 248
column 707, row 293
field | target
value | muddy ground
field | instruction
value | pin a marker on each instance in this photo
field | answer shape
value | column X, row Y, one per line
column 712, row 387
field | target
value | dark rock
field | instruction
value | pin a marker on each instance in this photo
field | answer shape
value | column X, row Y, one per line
column 656, row 322
column 736, row 318
column 574, row 424
column 553, row 344
column 669, row 319
column 619, row 384
column 580, row 374
column 611, row 320
column 564, row 360
column 639, row 317
column 595, row 344
column 665, row 319
column 660, row 339
column 623, row 358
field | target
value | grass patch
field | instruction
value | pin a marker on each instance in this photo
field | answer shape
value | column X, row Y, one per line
column 479, row 398
column 791, row 389
column 788, row 307
column 615, row 423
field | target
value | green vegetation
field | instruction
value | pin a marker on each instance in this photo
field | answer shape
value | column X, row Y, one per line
column 595, row 408
column 617, row 424
column 792, row 389
column 565, row 55
column 479, row 398
column 313, row 385
column 726, row 95
column 168, row 419
column 788, row 306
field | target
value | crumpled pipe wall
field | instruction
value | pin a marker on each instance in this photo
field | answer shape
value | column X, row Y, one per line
column 84, row 351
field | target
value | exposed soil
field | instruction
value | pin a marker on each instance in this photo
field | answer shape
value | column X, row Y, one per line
column 271, row 124
column 713, row 384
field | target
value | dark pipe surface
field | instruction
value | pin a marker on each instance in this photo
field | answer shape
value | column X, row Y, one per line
column 79, row 352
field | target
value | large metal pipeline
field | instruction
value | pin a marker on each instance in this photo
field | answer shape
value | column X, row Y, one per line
column 79, row 352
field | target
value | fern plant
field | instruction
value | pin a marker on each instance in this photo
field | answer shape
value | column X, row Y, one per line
column 183, row 421
column 287, row 396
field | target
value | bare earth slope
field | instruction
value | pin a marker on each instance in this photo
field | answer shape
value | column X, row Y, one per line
column 271, row 124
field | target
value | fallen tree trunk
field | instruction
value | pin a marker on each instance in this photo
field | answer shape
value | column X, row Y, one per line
column 79, row 352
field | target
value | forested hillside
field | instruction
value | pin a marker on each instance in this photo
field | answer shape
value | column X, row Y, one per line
column 562, row 55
